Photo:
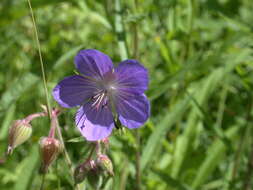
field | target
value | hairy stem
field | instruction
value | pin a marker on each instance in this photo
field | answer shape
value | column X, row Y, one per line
column 66, row 155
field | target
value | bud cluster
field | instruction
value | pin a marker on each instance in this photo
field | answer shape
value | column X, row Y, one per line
column 92, row 169
column 96, row 165
column 21, row 130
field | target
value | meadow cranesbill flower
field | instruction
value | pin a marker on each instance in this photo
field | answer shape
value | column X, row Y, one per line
column 105, row 92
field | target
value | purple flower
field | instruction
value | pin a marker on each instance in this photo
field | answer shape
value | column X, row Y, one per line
column 104, row 93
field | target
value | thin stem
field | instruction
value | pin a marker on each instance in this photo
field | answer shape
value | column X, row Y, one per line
column 29, row 118
column 191, row 12
column 42, row 182
column 138, row 160
column 137, row 133
column 120, row 30
column 247, row 180
column 91, row 151
column 53, row 126
column 66, row 155
column 124, row 54
column 242, row 141
column 40, row 56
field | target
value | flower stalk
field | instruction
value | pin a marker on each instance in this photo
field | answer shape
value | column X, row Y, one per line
column 40, row 57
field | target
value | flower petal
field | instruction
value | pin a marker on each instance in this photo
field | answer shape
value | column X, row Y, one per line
column 132, row 77
column 93, row 63
column 133, row 112
column 94, row 124
column 73, row 91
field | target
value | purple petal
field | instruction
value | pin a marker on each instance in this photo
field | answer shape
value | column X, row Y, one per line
column 94, row 124
column 73, row 91
column 93, row 63
column 133, row 112
column 132, row 77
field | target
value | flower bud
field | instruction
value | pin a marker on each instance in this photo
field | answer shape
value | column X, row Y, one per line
column 105, row 164
column 80, row 173
column 93, row 177
column 50, row 148
column 82, row 170
column 93, row 174
column 19, row 132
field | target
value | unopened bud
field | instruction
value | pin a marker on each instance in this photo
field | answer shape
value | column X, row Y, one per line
column 82, row 170
column 105, row 164
column 19, row 132
column 80, row 173
column 50, row 148
column 93, row 174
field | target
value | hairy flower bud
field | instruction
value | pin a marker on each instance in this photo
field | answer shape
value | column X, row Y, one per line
column 105, row 164
column 19, row 132
column 80, row 173
column 83, row 169
column 50, row 148
column 93, row 177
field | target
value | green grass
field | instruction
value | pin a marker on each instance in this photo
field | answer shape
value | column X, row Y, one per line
column 200, row 60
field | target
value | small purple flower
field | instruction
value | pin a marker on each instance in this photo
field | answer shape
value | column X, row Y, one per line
column 104, row 93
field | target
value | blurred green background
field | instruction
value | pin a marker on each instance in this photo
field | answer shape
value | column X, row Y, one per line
column 200, row 59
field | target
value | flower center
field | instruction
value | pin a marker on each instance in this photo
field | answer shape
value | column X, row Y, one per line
column 106, row 90
column 100, row 100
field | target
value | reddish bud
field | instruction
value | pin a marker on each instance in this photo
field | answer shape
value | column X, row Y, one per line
column 105, row 164
column 19, row 132
column 50, row 148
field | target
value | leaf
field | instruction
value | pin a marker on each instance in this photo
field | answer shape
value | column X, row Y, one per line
column 27, row 174
column 77, row 139
column 69, row 54
column 21, row 9
column 9, row 117
column 216, row 153
column 175, row 184
column 16, row 89
column 204, row 92
column 155, row 138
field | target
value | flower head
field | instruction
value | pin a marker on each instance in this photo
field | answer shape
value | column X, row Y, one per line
column 104, row 92
column 50, row 148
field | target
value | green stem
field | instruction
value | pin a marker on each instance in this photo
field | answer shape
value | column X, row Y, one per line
column 42, row 182
column 66, row 155
column 137, row 133
column 124, row 55
column 120, row 31
column 40, row 57
column 91, row 151
column 243, row 140
column 191, row 15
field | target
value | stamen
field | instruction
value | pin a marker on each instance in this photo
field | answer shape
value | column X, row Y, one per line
column 100, row 99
